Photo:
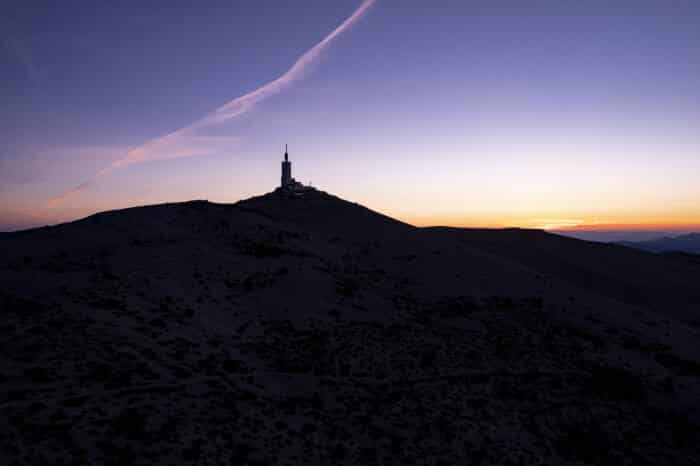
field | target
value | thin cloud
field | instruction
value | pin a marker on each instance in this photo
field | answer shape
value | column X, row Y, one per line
column 189, row 141
column 53, row 202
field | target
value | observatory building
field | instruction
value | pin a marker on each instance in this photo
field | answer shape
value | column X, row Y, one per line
column 288, row 183
column 287, row 179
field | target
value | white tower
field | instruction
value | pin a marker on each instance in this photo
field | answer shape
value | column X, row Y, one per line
column 287, row 179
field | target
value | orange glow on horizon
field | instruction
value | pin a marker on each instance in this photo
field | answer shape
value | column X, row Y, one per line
column 686, row 226
column 554, row 224
column 415, row 212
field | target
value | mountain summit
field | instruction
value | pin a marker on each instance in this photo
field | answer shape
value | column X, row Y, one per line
column 299, row 328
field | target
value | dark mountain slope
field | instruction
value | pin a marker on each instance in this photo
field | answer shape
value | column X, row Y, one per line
column 324, row 213
column 662, row 283
column 310, row 330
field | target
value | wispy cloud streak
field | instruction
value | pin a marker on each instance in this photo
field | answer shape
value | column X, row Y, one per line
column 189, row 141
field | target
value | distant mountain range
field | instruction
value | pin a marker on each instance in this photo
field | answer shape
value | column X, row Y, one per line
column 689, row 243
column 613, row 236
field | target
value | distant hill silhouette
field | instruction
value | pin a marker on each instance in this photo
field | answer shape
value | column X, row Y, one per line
column 612, row 236
column 689, row 243
column 305, row 329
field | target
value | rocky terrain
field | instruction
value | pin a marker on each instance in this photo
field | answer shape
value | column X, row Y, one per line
column 288, row 330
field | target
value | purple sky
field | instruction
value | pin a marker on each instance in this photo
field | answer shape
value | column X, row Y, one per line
column 545, row 113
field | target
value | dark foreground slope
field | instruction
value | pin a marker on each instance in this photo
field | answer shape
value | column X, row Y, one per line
column 665, row 284
column 314, row 331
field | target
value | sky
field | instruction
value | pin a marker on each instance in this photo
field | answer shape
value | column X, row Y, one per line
column 546, row 114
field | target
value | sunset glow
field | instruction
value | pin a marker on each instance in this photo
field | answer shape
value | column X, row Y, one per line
column 591, row 123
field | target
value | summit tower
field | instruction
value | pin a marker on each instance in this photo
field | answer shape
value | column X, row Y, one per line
column 288, row 184
column 287, row 180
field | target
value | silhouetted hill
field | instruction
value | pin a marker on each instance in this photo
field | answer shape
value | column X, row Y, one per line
column 684, row 256
column 689, row 243
column 638, row 278
column 310, row 330
column 611, row 236
column 324, row 213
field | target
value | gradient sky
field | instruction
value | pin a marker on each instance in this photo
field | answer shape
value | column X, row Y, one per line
column 454, row 112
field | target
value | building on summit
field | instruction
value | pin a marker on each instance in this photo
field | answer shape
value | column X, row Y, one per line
column 288, row 183
column 287, row 179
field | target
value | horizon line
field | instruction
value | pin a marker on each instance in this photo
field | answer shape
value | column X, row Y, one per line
column 670, row 227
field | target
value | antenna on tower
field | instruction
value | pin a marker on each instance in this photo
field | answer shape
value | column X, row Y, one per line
column 285, row 152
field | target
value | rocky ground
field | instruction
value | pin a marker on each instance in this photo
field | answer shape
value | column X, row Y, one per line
column 313, row 331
